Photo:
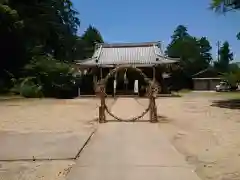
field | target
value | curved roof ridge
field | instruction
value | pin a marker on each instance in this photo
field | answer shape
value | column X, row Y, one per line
column 160, row 54
column 128, row 44
column 148, row 53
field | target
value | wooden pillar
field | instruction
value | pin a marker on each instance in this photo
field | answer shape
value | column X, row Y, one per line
column 154, row 111
column 79, row 92
column 95, row 82
column 115, row 89
column 154, row 73
column 153, row 108
column 126, row 80
column 150, row 110
column 101, row 73
column 102, row 116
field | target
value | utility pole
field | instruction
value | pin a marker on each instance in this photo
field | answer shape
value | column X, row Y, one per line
column 218, row 50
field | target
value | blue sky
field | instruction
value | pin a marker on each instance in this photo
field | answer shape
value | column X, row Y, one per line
column 155, row 20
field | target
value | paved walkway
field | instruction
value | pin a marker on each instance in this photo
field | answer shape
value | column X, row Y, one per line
column 130, row 151
column 42, row 145
column 127, row 108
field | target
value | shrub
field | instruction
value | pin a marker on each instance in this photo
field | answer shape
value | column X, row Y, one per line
column 232, row 77
column 54, row 77
column 31, row 91
column 27, row 88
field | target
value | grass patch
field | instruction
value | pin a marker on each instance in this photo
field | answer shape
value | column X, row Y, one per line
column 228, row 95
column 182, row 92
column 185, row 91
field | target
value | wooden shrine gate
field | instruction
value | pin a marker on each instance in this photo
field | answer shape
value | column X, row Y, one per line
column 151, row 93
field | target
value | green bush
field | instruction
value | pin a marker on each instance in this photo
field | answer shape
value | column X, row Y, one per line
column 48, row 77
column 31, row 91
column 27, row 88
column 232, row 77
column 54, row 77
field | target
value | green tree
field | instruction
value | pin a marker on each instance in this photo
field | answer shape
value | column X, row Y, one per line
column 90, row 38
column 232, row 77
column 30, row 27
column 205, row 49
column 180, row 32
column 232, row 71
column 11, row 47
column 54, row 78
column 223, row 6
column 226, row 56
column 194, row 55
column 49, row 25
column 40, row 28
column 10, row 36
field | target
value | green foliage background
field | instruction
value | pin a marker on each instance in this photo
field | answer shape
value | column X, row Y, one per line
column 39, row 44
column 38, row 39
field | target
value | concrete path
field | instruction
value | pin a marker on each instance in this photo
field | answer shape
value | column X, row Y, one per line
column 42, row 145
column 130, row 151
column 127, row 108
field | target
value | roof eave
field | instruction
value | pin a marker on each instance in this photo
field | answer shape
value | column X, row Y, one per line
column 209, row 78
column 167, row 60
column 117, row 45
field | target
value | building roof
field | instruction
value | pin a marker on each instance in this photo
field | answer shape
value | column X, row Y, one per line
column 238, row 64
column 139, row 54
column 207, row 74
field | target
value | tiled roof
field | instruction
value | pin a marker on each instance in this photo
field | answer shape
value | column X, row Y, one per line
column 128, row 53
column 207, row 73
column 238, row 64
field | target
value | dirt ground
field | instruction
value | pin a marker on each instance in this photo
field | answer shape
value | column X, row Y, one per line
column 31, row 115
column 208, row 136
column 47, row 129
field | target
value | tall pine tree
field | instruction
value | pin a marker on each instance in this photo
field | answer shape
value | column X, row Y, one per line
column 90, row 38
column 226, row 56
column 194, row 55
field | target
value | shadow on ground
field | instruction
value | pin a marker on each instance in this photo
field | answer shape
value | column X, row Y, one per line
column 230, row 103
